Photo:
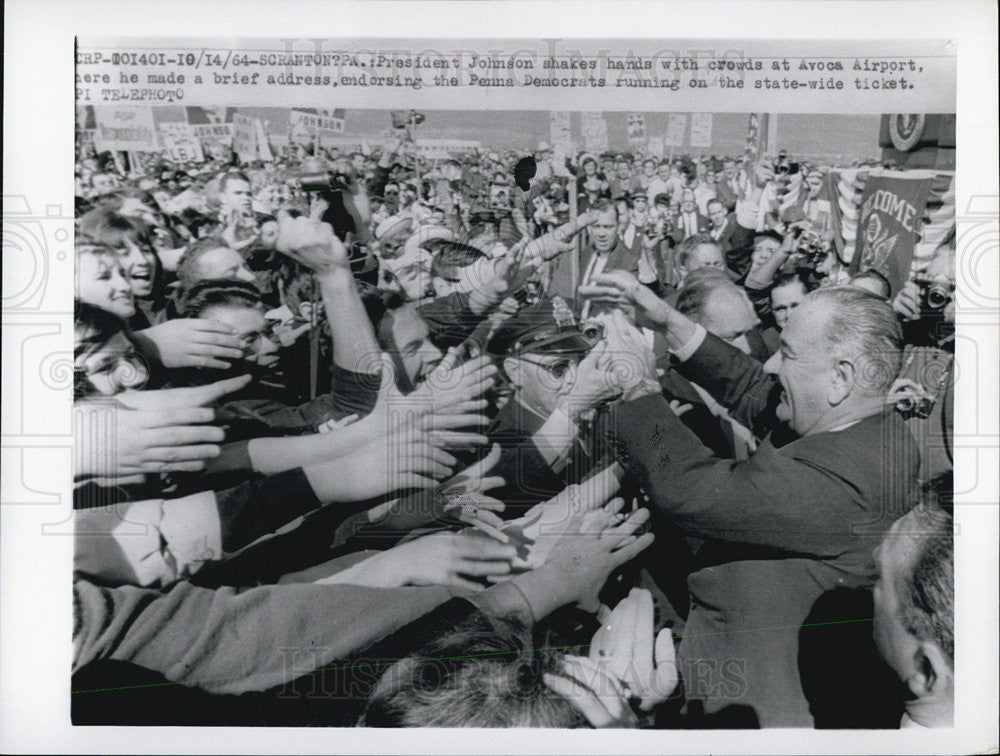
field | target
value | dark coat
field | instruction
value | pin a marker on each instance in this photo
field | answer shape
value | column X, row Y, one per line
column 621, row 257
column 737, row 244
column 528, row 476
column 798, row 519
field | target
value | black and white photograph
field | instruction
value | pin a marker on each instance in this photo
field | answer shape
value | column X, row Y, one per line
column 545, row 382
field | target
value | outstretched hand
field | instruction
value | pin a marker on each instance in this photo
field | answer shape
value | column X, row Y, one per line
column 191, row 342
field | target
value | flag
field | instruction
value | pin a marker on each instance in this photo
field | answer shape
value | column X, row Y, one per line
column 756, row 144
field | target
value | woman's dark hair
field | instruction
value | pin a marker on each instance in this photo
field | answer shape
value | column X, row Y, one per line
column 108, row 227
column 216, row 292
column 92, row 329
column 476, row 675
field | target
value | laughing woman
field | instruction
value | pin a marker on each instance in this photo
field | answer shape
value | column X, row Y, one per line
column 131, row 240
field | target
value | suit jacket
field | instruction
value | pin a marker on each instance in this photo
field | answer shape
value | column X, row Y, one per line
column 737, row 244
column 621, row 257
column 725, row 194
column 798, row 519
column 679, row 234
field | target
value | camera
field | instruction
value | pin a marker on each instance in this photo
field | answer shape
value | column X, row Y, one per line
column 651, row 230
column 933, row 295
column 324, row 181
column 915, row 406
column 810, row 245
column 785, row 168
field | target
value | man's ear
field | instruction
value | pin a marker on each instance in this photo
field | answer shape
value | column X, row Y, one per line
column 933, row 675
column 440, row 286
column 305, row 311
column 843, row 379
column 512, row 367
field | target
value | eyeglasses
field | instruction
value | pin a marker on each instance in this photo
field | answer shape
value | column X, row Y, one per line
column 557, row 369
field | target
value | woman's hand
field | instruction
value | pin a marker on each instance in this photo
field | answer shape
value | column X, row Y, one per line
column 451, row 559
column 191, row 342
column 182, row 398
column 118, row 441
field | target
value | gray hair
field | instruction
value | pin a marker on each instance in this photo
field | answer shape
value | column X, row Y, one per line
column 927, row 590
column 864, row 327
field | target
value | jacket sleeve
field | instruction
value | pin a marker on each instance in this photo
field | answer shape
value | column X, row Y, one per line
column 230, row 640
column 740, row 251
column 157, row 542
column 776, row 499
column 736, row 381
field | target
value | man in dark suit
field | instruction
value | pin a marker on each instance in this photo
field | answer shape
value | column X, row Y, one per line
column 727, row 185
column 604, row 250
column 689, row 221
column 796, row 520
column 735, row 240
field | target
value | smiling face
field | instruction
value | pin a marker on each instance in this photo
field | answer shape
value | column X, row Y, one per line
column 139, row 264
column 411, row 338
column 804, row 367
column 541, row 379
column 101, row 281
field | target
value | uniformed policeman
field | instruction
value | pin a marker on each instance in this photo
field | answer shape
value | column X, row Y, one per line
column 557, row 378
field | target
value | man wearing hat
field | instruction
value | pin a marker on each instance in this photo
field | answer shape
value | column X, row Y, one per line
column 556, row 379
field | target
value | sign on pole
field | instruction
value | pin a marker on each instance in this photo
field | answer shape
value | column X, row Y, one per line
column 595, row 131
column 676, row 125
column 636, row 128
column 892, row 211
column 124, row 127
column 701, row 129
column 561, row 136
column 244, row 138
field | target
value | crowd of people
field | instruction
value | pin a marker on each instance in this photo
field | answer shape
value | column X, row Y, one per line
column 365, row 438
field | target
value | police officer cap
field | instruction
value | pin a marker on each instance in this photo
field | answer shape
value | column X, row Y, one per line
column 547, row 327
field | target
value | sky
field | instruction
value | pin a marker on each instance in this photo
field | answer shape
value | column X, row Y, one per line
column 834, row 137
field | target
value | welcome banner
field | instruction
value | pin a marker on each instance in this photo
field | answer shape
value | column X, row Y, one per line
column 889, row 224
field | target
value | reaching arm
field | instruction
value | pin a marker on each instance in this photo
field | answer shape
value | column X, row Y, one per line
column 775, row 499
